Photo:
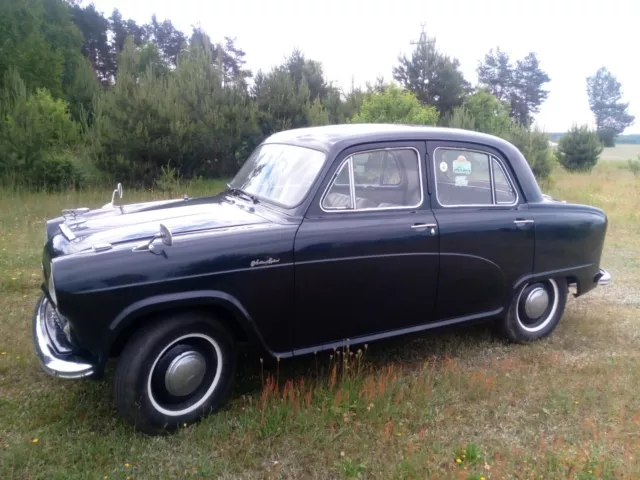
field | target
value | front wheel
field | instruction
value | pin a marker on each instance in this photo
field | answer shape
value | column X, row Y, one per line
column 173, row 372
column 535, row 310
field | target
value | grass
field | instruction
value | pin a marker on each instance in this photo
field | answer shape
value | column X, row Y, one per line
column 458, row 404
column 621, row 152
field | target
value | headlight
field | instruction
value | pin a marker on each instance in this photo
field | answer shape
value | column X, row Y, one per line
column 52, row 287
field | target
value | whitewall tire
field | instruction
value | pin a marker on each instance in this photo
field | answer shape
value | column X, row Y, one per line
column 173, row 371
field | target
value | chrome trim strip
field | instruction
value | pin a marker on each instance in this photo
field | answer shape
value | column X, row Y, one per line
column 520, row 222
column 605, row 279
column 484, row 205
column 357, row 210
column 389, row 334
column 73, row 368
column 66, row 231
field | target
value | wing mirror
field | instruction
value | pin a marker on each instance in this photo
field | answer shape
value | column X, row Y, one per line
column 117, row 191
column 165, row 235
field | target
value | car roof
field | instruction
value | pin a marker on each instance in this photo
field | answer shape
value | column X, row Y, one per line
column 332, row 139
column 326, row 137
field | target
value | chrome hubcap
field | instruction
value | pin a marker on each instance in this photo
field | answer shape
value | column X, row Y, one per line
column 536, row 302
column 185, row 373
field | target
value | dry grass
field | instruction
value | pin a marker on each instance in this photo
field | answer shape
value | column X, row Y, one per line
column 459, row 404
column 621, row 152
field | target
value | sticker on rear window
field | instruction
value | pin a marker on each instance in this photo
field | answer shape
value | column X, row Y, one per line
column 462, row 166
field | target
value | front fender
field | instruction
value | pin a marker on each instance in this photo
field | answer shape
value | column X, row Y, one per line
column 197, row 298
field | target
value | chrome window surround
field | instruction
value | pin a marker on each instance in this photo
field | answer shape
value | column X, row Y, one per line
column 506, row 176
column 493, row 193
column 352, row 188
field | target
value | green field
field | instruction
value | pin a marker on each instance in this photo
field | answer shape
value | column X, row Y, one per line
column 621, row 152
column 460, row 404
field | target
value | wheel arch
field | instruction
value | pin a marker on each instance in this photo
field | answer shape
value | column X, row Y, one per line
column 224, row 307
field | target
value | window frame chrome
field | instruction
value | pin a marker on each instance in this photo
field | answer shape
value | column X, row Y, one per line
column 352, row 186
column 491, row 157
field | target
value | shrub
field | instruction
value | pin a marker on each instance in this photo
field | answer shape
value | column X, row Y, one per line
column 534, row 146
column 38, row 138
column 579, row 149
column 460, row 117
column 634, row 165
column 395, row 105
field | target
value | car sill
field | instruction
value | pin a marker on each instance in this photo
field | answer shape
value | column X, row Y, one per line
column 389, row 334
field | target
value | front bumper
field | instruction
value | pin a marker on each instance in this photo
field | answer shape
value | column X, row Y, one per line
column 66, row 365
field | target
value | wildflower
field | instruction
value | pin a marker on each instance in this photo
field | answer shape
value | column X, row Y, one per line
column 35, row 440
column 342, row 454
column 13, row 278
column 482, row 478
column 3, row 353
column 458, row 460
column 184, row 425
column 126, row 465
column 275, row 462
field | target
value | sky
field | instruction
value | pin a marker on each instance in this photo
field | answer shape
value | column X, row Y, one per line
column 360, row 40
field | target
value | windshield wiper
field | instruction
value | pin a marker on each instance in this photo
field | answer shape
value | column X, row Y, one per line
column 241, row 193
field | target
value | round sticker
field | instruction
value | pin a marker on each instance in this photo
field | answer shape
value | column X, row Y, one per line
column 443, row 166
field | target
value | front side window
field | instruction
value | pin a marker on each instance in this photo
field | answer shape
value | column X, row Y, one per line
column 378, row 179
column 281, row 174
column 464, row 178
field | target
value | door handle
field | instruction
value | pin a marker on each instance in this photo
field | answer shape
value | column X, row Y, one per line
column 424, row 226
column 522, row 223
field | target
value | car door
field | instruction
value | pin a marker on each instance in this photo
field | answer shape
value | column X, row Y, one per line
column 366, row 253
column 486, row 231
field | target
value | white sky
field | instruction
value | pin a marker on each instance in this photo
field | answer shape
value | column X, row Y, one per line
column 362, row 39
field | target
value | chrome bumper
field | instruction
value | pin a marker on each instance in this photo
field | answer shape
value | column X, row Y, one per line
column 605, row 277
column 62, row 366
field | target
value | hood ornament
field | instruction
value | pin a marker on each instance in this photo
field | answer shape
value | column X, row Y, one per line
column 118, row 191
column 74, row 212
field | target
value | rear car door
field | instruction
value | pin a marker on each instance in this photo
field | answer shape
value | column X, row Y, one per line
column 486, row 231
column 366, row 253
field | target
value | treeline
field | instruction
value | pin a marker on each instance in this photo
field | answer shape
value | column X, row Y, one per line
column 87, row 99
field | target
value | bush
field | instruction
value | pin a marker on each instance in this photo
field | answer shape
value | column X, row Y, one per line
column 534, row 146
column 38, row 138
column 460, row 117
column 395, row 105
column 579, row 149
column 634, row 165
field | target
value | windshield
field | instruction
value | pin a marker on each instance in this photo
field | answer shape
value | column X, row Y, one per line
column 282, row 174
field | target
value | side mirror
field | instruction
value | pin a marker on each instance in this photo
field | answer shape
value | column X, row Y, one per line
column 117, row 191
column 165, row 235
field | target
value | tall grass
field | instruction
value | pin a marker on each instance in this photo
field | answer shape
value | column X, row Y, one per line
column 459, row 403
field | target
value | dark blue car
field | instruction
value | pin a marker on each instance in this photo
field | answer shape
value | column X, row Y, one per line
column 327, row 236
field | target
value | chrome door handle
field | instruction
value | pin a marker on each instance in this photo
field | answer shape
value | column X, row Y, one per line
column 422, row 226
column 523, row 222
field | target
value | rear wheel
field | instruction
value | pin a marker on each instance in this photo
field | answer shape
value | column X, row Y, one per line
column 535, row 310
column 173, row 372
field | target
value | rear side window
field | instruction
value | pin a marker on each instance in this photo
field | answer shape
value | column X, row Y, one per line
column 471, row 178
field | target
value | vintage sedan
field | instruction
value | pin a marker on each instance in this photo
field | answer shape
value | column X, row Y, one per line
column 327, row 236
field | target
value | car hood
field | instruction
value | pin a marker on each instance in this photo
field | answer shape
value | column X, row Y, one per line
column 130, row 223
